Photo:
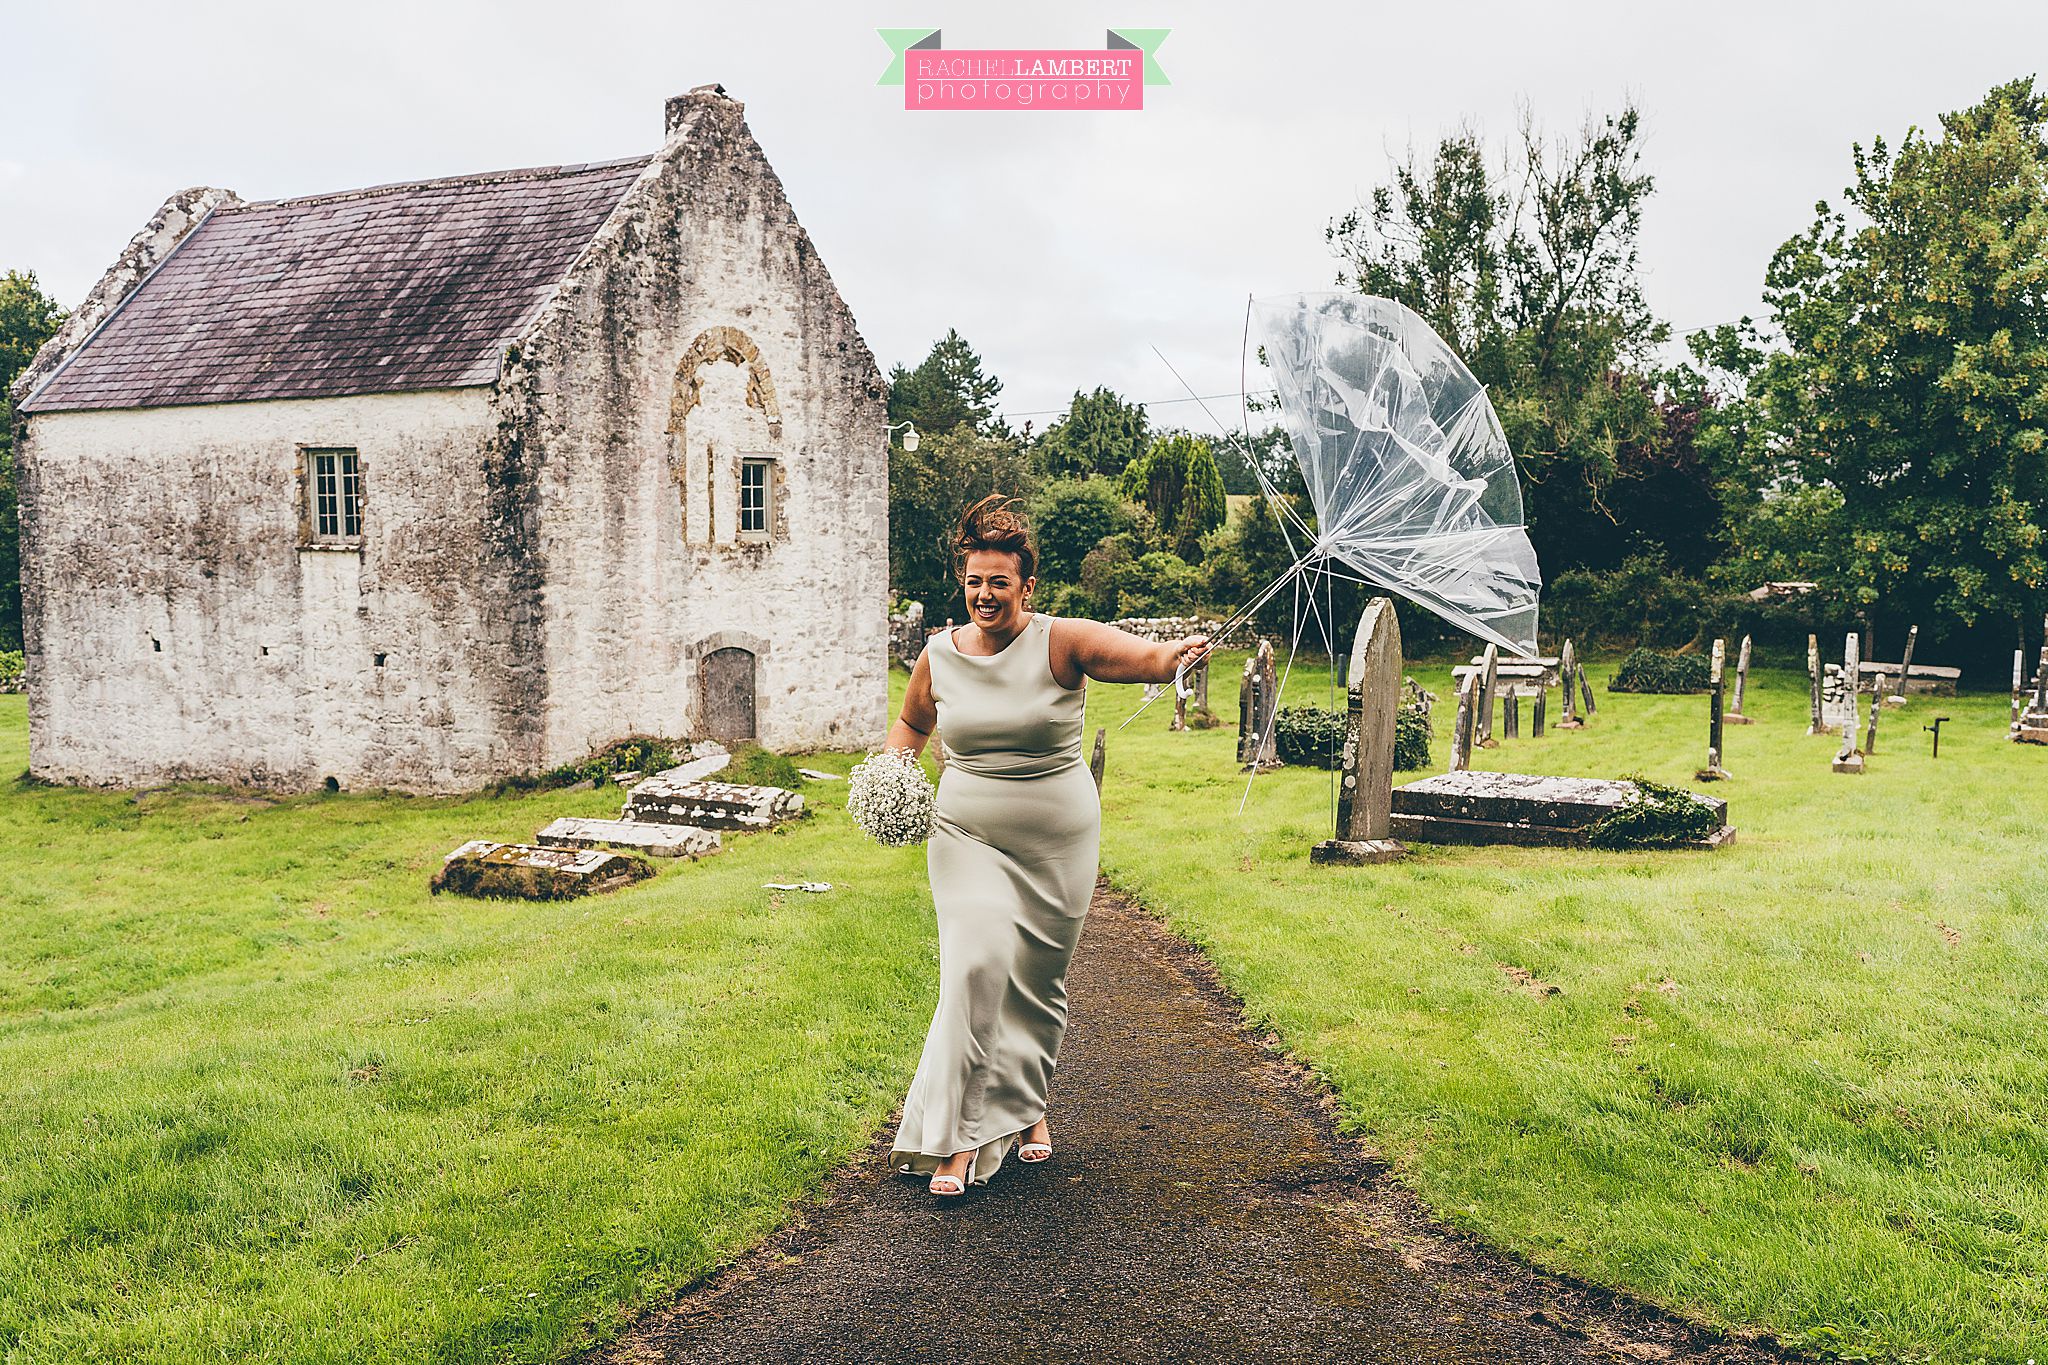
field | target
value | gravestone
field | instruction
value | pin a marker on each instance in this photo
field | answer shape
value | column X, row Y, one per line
column 1180, row 711
column 1461, row 724
column 1567, row 666
column 1258, row 703
column 1489, row 685
column 656, row 841
column 1716, row 677
column 1536, row 713
column 1734, row 715
column 1848, row 760
column 531, row 872
column 711, row 805
column 1898, row 696
column 2032, row 727
column 1101, row 758
column 1816, row 723
column 1586, row 693
column 1522, row 808
column 1511, row 714
column 1373, row 700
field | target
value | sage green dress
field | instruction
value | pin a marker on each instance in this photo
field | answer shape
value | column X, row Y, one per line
column 1012, row 859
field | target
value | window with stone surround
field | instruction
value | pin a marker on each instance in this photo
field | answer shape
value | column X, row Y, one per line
column 332, row 516
column 757, row 496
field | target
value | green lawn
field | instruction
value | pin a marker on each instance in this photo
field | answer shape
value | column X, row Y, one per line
column 266, row 1099
column 1796, row 1084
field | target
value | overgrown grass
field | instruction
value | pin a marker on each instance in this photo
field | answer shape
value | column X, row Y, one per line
column 262, row 1098
column 1796, row 1085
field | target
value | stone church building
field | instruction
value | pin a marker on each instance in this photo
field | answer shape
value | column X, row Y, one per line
column 421, row 485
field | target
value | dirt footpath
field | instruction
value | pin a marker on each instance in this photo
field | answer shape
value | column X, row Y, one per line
column 1199, row 1206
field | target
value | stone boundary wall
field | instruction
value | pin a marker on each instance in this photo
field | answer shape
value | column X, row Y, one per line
column 1172, row 627
column 906, row 634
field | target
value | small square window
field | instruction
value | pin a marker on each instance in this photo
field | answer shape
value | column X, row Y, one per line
column 334, row 497
column 757, row 497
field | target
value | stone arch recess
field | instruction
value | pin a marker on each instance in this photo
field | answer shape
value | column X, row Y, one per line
column 713, row 345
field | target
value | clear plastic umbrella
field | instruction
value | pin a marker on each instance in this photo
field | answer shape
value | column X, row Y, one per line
column 1413, row 485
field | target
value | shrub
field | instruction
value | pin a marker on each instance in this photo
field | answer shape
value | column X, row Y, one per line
column 633, row 754
column 1645, row 670
column 1309, row 736
column 1644, row 602
column 13, row 671
column 755, row 766
column 1655, row 816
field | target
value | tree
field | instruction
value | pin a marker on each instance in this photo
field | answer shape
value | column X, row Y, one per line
column 1905, row 417
column 1100, row 434
column 1177, row 481
column 946, row 390
column 928, row 490
column 1070, row 517
column 28, row 318
column 1530, row 273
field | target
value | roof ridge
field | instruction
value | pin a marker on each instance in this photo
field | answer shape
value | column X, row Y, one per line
column 473, row 178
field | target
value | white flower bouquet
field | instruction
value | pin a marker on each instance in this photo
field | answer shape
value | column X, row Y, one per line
column 891, row 799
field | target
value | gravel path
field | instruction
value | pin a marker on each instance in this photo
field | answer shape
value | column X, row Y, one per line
column 1199, row 1206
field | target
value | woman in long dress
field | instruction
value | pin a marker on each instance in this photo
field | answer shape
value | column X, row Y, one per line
column 1012, row 855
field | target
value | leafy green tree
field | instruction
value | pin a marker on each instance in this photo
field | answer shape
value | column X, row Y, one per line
column 928, row 490
column 1900, row 436
column 1070, row 517
column 1530, row 272
column 28, row 318
column 1177, row 481
column 1100, row 434
column 947, row 389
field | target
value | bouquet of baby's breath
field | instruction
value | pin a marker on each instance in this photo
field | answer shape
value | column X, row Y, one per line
column 891, row 799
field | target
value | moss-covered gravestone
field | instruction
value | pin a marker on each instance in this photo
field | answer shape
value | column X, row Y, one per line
column 1364, row 800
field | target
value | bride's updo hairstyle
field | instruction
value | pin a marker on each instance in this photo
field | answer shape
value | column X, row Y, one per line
column 992, row 524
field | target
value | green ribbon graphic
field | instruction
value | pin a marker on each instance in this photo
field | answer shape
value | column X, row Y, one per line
column 900, row 40
column 1147, row 41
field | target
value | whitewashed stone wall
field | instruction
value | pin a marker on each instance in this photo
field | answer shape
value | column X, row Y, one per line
column 180, row 632
column 638, row 524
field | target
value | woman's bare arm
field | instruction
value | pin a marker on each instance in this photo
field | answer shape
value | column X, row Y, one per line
column 920, row 715
column 1090, row 649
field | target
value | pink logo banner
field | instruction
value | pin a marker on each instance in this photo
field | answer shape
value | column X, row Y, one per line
column 1051, row 78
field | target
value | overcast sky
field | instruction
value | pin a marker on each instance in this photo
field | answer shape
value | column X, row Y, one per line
column 1064, row 246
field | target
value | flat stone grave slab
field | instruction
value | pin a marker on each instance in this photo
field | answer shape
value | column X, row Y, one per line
column 656, row 841
column 532, row 872
column 711, row 805
column 1521, row 808
column 1926, row 680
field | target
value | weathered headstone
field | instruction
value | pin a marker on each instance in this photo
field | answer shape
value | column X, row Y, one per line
column 1898, row 696
column 1200, row 677
column 1258, row 704
column 1817, row 721
column 1536, row 713
column 1461, row 725
column 2032, row 726
column 1586, row 693
column 1373, row 700
column 1180, row 711
column 2019, row 685
column 1876, row 710
column 1096, row 764
column 1848, row 760
column 1734, row 715
column 1489, row 684
column 1568, row 666
column 1716, row 689
column 1511, row 713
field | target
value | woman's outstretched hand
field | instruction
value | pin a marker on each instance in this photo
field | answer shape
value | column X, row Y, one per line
column 1189, row 652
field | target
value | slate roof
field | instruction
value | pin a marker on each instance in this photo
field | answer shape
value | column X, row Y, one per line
column 416, row 286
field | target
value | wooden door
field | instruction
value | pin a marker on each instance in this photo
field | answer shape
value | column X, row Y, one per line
column 726, row 682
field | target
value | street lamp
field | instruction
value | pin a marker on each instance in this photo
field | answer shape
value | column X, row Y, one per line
column 909, row 437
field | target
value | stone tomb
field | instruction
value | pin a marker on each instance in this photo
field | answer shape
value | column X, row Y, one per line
column 530, row 872
column 655, row 840
column 1520, row 808
column 711, row 805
